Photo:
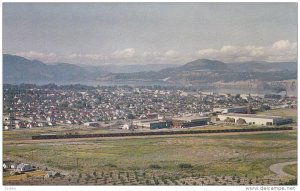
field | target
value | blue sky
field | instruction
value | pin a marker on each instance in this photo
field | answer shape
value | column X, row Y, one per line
column 150, row 33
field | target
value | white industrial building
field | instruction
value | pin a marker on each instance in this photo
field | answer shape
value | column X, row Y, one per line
column 190, row 121
column 238, row 109
column 150, row 124
column 256, row 119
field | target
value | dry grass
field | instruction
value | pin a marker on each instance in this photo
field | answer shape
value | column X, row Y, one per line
column 26, row 175
column 281, row 112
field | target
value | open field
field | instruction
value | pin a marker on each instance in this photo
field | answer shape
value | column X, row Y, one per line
column 246, row 157
column 19, row 134
column 285, row 112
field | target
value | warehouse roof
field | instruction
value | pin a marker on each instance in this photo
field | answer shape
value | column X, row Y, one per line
column 253, row 116
column 189, row 118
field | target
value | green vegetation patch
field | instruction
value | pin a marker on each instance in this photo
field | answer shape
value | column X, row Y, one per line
column 291, row 169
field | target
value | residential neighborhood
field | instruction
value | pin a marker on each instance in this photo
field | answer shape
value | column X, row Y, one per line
column 34, row 106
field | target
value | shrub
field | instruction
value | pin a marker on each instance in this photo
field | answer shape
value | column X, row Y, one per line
column 290, row 182
column 154, row 166
column 111, row 165
column 94, row 174
column 185, row 165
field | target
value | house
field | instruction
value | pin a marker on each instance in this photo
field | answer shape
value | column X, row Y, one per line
column 20, row 125
column 8, row 127
column 42, row 124
column 92, row 124
column 7, row 164
column 24, row 167
column 30, row 125
column 13, row 165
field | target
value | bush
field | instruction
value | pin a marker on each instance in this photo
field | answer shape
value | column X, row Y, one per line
column 290, row 182
column 111, row 165
column 154, row 166
column 95, row 174
column 147, row 182
column 185, row 165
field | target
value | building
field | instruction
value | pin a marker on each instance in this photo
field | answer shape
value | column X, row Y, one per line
column 272, row 96
column 239, row 109
column 24, row 167
column 7, row 164
column 92, row 124
column 191, row 121
column 151, row 124
column 255, row 119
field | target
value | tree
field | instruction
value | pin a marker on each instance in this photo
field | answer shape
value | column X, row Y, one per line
column 130, row 116
column 241, row 121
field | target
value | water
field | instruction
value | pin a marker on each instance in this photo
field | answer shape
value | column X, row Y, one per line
column 135, row 83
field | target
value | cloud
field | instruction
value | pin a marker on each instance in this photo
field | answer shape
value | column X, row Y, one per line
column 282, row 50
column 172, row 53
column 38, row 55
column 126, row 53
column 284, row 44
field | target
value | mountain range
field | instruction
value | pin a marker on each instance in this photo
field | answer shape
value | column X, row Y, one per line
column 17, row 69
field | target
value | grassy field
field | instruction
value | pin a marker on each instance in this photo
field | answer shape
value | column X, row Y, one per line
column 19, row 134
column 235, row 154
column 291, row 169
column 281, row 112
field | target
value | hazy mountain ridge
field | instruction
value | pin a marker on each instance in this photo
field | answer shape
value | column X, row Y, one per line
column 17, row 69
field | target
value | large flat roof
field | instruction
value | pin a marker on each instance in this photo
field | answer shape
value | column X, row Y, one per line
column 253, row 116
column 189, row 118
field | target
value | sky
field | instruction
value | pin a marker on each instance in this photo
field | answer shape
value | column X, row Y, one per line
column 150, row 33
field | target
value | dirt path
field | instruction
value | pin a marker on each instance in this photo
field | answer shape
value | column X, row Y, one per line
column 277, row 168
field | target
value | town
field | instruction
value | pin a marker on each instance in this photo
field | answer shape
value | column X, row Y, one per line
column 124, row 107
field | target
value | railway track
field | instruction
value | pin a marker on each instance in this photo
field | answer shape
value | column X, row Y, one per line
column 72, row 136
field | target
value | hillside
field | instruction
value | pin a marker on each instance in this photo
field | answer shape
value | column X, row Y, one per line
column 201, row 72
column 17, row 69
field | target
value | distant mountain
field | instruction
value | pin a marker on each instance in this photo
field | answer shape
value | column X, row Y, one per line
column 204, row 72
column 17, row 69
column 204, row 65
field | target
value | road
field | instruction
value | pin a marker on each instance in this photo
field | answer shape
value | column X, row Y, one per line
column 277, row 168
